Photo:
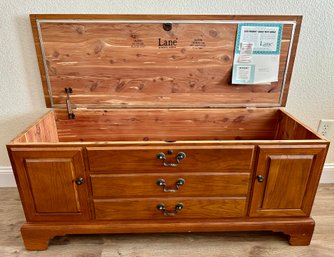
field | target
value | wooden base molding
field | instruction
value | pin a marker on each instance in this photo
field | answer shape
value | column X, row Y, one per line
column 36, row 236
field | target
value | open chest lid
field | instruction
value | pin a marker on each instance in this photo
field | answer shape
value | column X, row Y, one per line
column 155, row 61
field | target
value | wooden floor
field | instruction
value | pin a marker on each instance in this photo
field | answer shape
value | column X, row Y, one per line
column 252, row 244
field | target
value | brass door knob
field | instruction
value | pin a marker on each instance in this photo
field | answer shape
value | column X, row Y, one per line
column 79, row 181
column 260, row 178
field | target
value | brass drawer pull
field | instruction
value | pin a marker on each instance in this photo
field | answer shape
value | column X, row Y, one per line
column 179, row 157
column 162, row 183
column 162, row 207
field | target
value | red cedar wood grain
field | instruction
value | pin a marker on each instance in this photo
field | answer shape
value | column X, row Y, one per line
column 175, row 95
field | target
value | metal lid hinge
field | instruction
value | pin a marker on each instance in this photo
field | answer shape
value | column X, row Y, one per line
column 70, row 113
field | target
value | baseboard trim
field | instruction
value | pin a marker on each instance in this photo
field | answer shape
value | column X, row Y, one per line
column 327, row 174
column 7, row 177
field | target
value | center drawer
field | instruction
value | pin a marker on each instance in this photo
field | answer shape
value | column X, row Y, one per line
column 172, row 158
column 179, row 184
column 171, row 208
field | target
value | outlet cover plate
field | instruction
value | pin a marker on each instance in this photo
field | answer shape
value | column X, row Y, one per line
column 326, row 128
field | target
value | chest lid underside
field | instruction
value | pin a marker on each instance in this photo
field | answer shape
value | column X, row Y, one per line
column 153, row 61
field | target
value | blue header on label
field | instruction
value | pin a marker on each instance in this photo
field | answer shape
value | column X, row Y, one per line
column 279, row 37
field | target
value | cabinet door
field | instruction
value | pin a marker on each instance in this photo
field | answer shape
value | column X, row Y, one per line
column 286, row 180
column 51, row 183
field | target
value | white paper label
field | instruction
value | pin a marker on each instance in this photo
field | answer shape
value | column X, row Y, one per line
column 246, row 51
column 243, row 73
column 258, row 46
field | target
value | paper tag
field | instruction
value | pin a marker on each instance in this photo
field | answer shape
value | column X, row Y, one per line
column 246, row 51
column 257, row 53
column 243, row 72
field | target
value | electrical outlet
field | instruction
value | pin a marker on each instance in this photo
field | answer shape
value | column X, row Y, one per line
column 326, row 128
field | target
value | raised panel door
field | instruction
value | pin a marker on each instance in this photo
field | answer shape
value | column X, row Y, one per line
column 52, row 183
column 286, row 180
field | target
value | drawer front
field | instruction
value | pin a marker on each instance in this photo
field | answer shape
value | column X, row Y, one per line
column 179, row 184
column 199, row 158
column 199, row 208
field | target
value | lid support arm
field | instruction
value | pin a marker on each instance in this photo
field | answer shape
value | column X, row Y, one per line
column 70, row 113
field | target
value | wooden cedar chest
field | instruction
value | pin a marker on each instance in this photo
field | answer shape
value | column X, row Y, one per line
column 151, row 136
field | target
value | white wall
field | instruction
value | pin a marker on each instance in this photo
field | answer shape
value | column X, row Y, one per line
column 21, row 101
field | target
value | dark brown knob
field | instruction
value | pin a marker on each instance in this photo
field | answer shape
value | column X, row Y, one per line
column 260, row 178
column 79, row 181
column 170, row 151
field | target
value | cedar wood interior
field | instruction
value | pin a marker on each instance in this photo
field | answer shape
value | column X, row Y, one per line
column 60, row 43
column 166, row 125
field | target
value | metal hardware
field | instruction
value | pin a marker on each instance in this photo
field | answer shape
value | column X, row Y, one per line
column 167, row 26
column 179, row 157
column 70, row 113
column 79, row 181
column 170, row 151
column 161, row 156
column 180, row 182
column 162, row 183
column 178, row 207
column 287, row 63
column 260, row 178
column 164, row 21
